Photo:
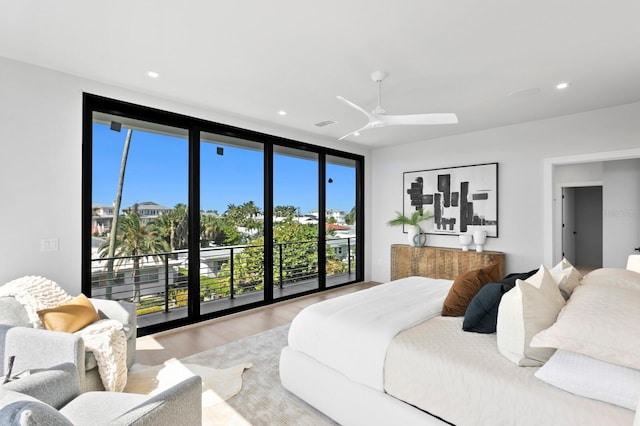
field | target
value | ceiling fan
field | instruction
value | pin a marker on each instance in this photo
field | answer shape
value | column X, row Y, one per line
column 379, row 117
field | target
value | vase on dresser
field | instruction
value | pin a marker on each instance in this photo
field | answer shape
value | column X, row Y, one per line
column 479, row 238
column 465, row 241
column 417, row 238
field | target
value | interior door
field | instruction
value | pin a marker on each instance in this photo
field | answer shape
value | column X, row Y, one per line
column 588, row 223
column 568, row 224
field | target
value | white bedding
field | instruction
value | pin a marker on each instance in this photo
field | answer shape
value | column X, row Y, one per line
column 462, row 378
column 351, row 333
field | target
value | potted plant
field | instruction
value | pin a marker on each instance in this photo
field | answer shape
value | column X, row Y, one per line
column 416, row 236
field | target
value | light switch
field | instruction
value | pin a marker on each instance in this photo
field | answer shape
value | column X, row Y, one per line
column 50, row 244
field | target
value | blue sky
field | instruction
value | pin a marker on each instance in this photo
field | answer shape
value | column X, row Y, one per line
column 157, row 171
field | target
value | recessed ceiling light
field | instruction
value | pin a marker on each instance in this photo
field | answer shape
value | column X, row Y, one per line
column 282, row 112
column 153, row 74
column 563, row 85
column 356, row 134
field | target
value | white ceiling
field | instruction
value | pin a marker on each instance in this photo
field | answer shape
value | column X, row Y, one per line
column 254, row 58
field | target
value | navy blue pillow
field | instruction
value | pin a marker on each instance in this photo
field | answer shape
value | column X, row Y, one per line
column 482, row 313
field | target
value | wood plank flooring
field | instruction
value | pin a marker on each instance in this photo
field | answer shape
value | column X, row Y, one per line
column 184, row 341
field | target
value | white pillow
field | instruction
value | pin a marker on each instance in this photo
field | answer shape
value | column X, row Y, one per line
column 526, row 309
column 599, row 321
column 566, row 276
column 592, row 378
column 613, row 276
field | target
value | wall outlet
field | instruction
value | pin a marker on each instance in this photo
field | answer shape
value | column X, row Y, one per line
column 50, row 244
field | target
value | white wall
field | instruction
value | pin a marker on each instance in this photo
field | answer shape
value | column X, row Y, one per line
column 40, row 173
column 41, row 168
column 621, row 211
column 520, row 151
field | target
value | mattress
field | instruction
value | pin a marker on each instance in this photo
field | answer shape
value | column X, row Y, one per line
column 462, row 378
column 351, row 333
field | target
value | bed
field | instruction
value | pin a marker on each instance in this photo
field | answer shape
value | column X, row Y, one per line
column 385, row 356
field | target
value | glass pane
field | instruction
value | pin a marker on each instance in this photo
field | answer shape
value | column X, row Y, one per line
column 341, row 220
column 231, row 222
column 295, row 227
column 139, row 218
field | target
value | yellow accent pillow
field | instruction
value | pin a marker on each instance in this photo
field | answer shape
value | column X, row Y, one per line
column 71, row 316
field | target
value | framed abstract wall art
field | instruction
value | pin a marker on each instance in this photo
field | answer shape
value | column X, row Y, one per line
column 462, row 199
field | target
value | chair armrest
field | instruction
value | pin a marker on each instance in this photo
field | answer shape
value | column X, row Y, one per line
column 181, row 404
column 124, row 312
column 36, row 348
column 55, row 386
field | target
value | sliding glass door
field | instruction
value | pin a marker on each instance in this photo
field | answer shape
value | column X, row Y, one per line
column 295, row 221
column 231, row 222
column 191, row 219
column 139, row 221
column 341, row 215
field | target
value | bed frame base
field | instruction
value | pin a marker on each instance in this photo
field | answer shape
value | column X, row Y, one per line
column 346, row 402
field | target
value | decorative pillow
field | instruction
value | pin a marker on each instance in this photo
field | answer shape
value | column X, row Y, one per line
column 71, row 316
column 566, row 276
column 531, row 306
column 613, row 276
column 592, row 378
column 482, row 313
column 465, row 287
column 599, row 321
column 23, row 410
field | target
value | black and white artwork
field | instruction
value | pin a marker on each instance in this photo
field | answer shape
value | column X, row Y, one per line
column 462, row 199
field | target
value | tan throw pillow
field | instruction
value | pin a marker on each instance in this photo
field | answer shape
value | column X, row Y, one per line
column 531, row 306
column 600, row 321
column 613, row 276
column 71, row 316
column 566, row 276
column 465, row 287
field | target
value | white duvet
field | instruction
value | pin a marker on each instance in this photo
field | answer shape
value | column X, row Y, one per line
column 351, row 333
column 463, row 378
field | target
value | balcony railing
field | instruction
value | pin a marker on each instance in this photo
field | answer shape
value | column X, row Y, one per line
column 159, row 283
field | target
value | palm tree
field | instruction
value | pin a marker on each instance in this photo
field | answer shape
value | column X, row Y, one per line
column 134, row 239
column 173, row 226
column 350, row 218
column 116, row 213
column 211, row 229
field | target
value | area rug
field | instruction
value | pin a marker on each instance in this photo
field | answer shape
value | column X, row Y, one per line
column 262, row 400
column 218, row 384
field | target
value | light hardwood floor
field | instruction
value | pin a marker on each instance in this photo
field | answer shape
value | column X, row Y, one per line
column 184, row 341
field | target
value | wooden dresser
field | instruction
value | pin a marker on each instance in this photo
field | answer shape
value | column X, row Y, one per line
column 439, row 262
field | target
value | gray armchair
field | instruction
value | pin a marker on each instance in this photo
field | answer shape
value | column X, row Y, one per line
column 38, row 348
column 65, row 405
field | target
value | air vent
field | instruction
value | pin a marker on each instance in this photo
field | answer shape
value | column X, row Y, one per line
column 325, row 123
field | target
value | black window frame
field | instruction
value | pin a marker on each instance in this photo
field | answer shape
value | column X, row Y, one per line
column 195, row 126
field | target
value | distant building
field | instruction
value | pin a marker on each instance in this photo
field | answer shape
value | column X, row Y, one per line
column 338, row 215
column 343, row 240
column 148, row 211
column 101, row 218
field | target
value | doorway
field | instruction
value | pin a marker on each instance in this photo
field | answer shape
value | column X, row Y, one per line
column 582, row 226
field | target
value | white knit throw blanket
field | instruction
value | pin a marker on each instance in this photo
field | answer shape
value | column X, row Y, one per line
column 104, row 338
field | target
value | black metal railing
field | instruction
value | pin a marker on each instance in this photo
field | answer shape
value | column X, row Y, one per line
column 159, row 282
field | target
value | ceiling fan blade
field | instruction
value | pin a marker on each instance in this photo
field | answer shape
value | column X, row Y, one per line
column 369, row 125
column 418, row 119
column 352, row 105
